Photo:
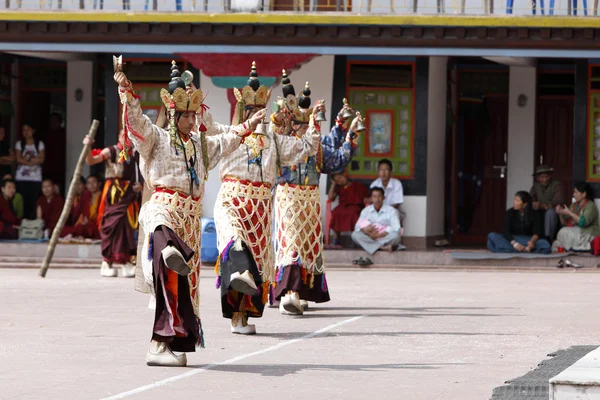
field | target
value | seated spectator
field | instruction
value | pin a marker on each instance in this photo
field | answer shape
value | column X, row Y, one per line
column 352, row 197
column 7, row 157
column 523, row 229
column 580, row 221
column 49, row 206
column 17, row 202
column 80, row 198
column 9, row 223
column 394, row 194
column 546, row 194
column 86, row 224
column 378, row 227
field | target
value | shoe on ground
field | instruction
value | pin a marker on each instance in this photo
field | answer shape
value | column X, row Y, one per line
column 364, row 261
column 107, row 271
column 304, row 304
column 243, row 328
column 175, row 261
column 160, row 355
column 128, row 271
column 291, row 304
column 243, row 283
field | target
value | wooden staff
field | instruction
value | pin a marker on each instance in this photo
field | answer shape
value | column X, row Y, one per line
column 69, row 203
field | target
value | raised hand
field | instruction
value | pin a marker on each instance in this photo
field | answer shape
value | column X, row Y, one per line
column 320, row 106
column 121, row 79
column 257, row 118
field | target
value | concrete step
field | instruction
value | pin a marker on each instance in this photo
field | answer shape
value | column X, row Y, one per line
column 30, row 255
column 38, row 250
column 581, row 381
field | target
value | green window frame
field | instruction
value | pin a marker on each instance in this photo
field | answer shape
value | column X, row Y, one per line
column 375, row 104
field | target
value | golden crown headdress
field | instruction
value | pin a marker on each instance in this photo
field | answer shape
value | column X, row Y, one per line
column 253, row 94
column 176, row 97
column 299, row 107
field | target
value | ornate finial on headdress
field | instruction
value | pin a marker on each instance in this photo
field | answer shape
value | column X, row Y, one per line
column 176, row 81
column 304, row 100
column 288, row 88
column 253, row 81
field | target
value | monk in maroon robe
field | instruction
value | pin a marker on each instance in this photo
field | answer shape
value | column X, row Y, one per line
column 352, row 197
column 85, row 224
column 8, row 220
column 49, row 206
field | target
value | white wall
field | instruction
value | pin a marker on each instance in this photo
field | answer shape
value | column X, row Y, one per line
column 415, row 224
column 319, row 72
column 521, row 131
column 436, row 145
column 79, row 113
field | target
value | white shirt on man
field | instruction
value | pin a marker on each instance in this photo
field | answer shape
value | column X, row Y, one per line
column 394, row 194
column 386, row 216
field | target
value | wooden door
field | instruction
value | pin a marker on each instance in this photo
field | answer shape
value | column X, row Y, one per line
column 480, row 189
column 554, row 138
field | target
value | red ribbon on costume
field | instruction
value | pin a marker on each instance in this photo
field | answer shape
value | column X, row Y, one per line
column 203, row 107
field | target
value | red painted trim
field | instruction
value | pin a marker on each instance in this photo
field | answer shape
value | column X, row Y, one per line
column 367, row 134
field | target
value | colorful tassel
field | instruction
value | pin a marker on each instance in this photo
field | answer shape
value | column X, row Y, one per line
column 271, row 294
column 265, row 292
column 324, row 284
column 225, row 254
column 218, row 282
column 202, row 343
column 150, row 246
column 280, row 274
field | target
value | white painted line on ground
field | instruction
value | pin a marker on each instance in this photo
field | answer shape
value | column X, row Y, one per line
column 230, row 361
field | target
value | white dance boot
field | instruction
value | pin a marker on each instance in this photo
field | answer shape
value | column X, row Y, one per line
column 160, row 355
column 243, row 283
column 175, row 261
column 128, row 270
column 290, row 304
column 107, row 271
column 240, row 326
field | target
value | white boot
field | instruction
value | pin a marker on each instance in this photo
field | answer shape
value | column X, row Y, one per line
column 304, row 304
column 160, row 355
column 291, row 304
column 175, row 261
column 107, row 270
column 128, row 271
column 243, row 283
column 240, row 326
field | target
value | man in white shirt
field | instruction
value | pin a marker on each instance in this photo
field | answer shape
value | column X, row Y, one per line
column 378, row 227
column 394, row 194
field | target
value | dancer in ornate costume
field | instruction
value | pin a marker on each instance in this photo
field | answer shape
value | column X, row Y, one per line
column 299, row 264
column 243, row 208
column 118, row 212
column 175, row 164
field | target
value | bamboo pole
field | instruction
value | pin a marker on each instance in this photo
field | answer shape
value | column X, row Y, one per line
column 69, row 203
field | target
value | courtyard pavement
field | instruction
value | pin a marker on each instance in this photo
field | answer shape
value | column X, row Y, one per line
column 386, row 334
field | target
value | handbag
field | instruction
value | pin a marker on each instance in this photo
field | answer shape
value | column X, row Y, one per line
column 31, row 229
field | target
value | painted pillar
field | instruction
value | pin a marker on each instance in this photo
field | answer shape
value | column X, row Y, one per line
column 436, row 145
column 521, row 130
column 80, row 97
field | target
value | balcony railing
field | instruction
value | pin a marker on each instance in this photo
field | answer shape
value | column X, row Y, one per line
column 546, row 8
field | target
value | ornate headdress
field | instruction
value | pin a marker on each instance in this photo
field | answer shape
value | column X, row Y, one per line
column 298, row 107
column 251, row 95
column 176, row 99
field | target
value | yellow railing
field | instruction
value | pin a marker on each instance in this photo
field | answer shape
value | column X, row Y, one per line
column 547, row 8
